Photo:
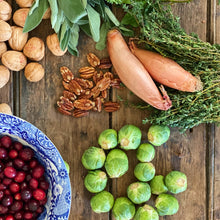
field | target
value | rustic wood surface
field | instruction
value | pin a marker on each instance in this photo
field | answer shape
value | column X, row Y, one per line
column 196, row 152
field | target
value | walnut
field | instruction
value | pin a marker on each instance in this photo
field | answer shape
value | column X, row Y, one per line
column 25, row 3
column 5, row 108
column 20, row 16
column 5, row 31
column 14, row 60
column 5, row 11
column 34, row 49
column 4, row 76
column 3, row 48
column 47, row 14
column 34, row 72
column 18, row 38
column 54, row 45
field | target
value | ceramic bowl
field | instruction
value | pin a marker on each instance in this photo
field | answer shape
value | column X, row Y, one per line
column 59, row 193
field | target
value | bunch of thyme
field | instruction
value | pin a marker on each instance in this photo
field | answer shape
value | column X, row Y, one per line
column 160, row 31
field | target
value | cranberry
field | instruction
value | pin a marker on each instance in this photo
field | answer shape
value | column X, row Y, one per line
column 28, row 177
column 26, row 194
column 1, row 194
column 2, row 186
column 24, row 185
column 10, row 172
column 14, row 187
column 16, row 206
column 9, row 164
column 2, row 218
column 33, row 183
column 6, row 141
column 28, row 215
column 44, row 185
column 17, row 196
column 3, row 153
column 7, row 181
column 18, row 163
column 7, row 200
column 33, row 163
column 33, row 205
column 38, row 171
column 26, row 154
column 43, row 201
column 39, row 194
column 1, row 166
column 20, row 176
column 40, row 209
column 13, row 154
column 7, row 192
column 9, row 217
column 26, row 168
column 3, row 209
column 17, row 146
column 18, row 215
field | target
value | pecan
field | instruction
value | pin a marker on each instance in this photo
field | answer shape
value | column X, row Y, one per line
column 111, row 106
column 66, row 74
column 103, row 84
column 97, row 76
column 77, row 113
column 63, row 111
column 84, row 104
column 104, row 94
column 105, row 63
column 69, row 95
column 116, row 83
column 65, row 104
column 84, row 83
column 66, row 85
column 108, row 75
column 98, row 105
column 87, row 72
column 86, row 94
column 75, row 87
column 95, row 92
column 93, row 59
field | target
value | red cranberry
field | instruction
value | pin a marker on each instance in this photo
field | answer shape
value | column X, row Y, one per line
column 20, row 176
column 7, row 192
column 28, row 177
column 33, row 205
column 18, row 163
column 9, row 164
column 14, row 187
column 33, row 183
column 1, row 166
column 2, row 218
column 10, row 172
column 18, row 215
column 2, row 176
column 28, row 215
column 43, row 201
column 7, row 181
column 26, row 168
column 13, row 154
column 9, row 217
column 16, row 206
column 33, row 163
column 17, row 146
column 38, row 171
column 17, row 196
column 40, row 209
column 1, row 194
column 3, row 153
column 7, row 200
column 44, row 185
column 24, row 185
column 2, row 186
column 6, row 141
column 3, row 209
column 26, row 194
column 39, row 194
column 26, row 154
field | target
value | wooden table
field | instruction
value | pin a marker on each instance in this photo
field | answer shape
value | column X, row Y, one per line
column 196, row 152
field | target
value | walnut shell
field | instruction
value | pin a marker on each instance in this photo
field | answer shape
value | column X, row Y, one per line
column 47, row 14
column 5, row 11
column 34, row 72
column 54, row 45
column 34, row 49
column 20, row 16
column 18, row 38
column 5, row 31
column 14, row 60
column 3, row 48
column 25, row 3
column 4, row 75
column 5, row 108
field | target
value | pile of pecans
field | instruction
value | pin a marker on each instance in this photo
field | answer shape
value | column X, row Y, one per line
column 89, row 91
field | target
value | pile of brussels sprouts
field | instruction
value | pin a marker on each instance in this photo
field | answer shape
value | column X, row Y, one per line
column 115, row 164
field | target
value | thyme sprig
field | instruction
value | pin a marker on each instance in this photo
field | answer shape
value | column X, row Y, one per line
column 160, row 31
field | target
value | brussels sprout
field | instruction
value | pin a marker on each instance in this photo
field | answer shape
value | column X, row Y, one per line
column 157, row 185
column 129, row 137
column 102, row 202
column 116, row 163
column 146, row 212
column 139, row 192
column 158, row 134
column 166, row 205
column 67, row 167
column 95, row 181
column 144, row 171
column 93, row 158
column 108, row 139
column 145, row 152
column 123, row 209
column 176, row 182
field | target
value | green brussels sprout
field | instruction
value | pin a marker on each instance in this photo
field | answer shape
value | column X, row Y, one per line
column 95, row 181
column 67, row 167
column 176, row 182
column 157, row 185
column 166, row 204
column 102, row 202
column 129, row 137
column 146, row 212
column 108, row 139
column 158, row 134
column 144, row 171
column 93, row 158
column 145, row 152
column 123, row 209
column 116, row 163
column 139, row 192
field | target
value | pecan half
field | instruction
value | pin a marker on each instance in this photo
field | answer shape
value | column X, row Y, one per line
column 116, row 83
column 104, row 94
column 77, row 113
column 108, row 75
column 95, row 92
column 97, row 76
column 69, row 95
column 75, row 87
column 65, row 104
column 111, row 106
column 103, row 84
column 93, row 59
column 66, row 85
column 84, row 83
column 87, row 72
column 84, row 104
column 98, row 105
column 105, row 63
column 86, row 94
column 63, row 111
column 66, row 74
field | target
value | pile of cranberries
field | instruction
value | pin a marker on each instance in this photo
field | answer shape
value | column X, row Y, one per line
column 23, row 186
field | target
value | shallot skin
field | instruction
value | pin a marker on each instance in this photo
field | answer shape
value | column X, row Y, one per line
column 132, row 73
column 166, row 71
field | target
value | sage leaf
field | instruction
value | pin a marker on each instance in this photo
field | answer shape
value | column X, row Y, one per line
column 83, row 21
column 84, row 2
column 34, row 6
column 129, row 20
column 35, row 18
column 54, row 12
column 94, row 22
column 86, row 29
column 64, row 35
column 73, row 41
column 101, row 44
column 112, row 16
column 59, row 21
column 126, row 32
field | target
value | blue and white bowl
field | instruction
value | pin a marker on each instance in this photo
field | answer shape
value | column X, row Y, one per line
column 59, row 193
